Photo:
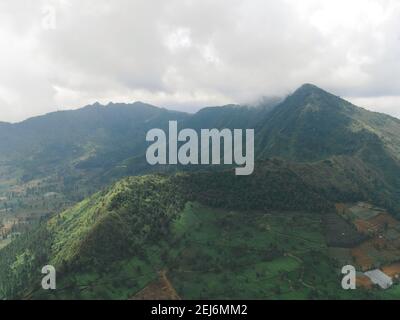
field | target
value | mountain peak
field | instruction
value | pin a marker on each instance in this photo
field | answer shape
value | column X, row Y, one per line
column 309, row 94
column 308, row 88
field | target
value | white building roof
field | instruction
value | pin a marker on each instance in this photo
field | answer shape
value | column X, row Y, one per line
column 379, row 278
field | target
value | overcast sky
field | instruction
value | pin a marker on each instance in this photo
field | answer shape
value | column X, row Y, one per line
column 184, row 54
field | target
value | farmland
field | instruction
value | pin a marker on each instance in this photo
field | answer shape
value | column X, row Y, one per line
column 382, row 244
column 226, row 254
column 219, row 254
column 23, row 205
column 25, row 202
column 222, row 254
column 380, row 249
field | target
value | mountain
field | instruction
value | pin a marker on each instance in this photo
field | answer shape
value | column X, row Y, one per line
column 77, row 152
column 316, row 153
column 80, row 151
column 113, row 244
column 232, row 116
column 129, row 231
column 312, row 124
column 97, row 129
column 71, row 149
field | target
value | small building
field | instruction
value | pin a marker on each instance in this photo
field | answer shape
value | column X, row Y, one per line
column 380, row 278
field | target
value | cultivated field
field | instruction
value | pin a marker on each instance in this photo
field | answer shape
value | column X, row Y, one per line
column 381, row 249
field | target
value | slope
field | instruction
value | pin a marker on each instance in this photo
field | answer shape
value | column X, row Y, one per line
column 132, row 226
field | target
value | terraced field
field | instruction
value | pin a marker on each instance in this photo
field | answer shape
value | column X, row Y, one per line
column 382, row 246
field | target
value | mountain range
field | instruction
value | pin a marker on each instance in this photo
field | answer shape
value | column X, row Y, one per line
column 126, row 223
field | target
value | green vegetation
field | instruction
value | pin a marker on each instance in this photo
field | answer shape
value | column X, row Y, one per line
column 254, row 243
column 212, row 254
column 271, row 235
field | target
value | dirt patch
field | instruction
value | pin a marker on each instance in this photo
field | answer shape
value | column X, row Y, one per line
column 364, row 282
column 364, row 226
column 361, row 257
column 378, row 224
column 392, row 270
column 384, row 221
column 340, row 208
column 375, row 252
column 159, row 289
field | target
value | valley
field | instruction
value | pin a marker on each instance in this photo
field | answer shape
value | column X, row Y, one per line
column 25, row 204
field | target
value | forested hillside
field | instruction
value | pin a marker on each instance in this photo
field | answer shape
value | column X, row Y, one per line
column 126, row 220
column 64, row 175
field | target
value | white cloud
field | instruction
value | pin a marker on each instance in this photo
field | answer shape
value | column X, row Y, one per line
column 186, row 54
column 179, row 39
column 386, row 104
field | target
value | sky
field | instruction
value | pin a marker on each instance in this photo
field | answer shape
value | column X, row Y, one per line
column 187, row 54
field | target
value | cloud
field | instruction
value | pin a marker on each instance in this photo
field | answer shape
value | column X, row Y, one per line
column 385, row 104
column 185, row 54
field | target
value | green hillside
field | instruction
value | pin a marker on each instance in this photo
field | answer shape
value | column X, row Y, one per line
column 312, row 124
column 80, row 151
column 267, row 235
column 142, row 225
